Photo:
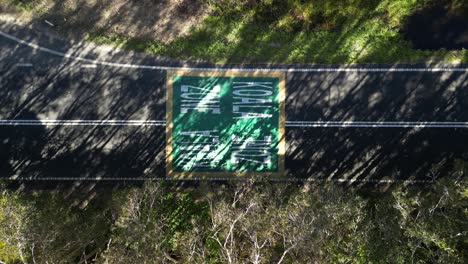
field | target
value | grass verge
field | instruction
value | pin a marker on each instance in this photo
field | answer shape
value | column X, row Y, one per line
column 356, row 33
column 291, row 31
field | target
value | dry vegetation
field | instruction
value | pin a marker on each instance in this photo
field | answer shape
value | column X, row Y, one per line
column 144, row 19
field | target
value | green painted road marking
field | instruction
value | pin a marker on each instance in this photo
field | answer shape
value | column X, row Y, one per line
column 225, row 123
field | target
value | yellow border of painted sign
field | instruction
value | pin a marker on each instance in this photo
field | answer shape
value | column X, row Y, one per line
column 281, row 126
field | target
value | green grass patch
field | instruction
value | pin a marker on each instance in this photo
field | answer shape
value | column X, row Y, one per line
column 289, row 31
column 27, row 5
column 297, row 32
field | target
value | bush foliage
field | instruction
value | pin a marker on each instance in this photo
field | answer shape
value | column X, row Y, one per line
column 257, row 222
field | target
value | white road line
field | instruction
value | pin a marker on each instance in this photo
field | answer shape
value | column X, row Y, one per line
column 300, row 124
column 82, row 123
column 48, row 23
column 378, row 124
column 89, row 66
column 23, row 64
column 285, row 179
column 153, row 67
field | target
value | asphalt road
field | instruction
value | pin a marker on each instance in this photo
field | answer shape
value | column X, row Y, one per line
column 36, row 85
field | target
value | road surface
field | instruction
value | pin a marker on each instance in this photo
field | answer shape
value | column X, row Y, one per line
column 77, row 111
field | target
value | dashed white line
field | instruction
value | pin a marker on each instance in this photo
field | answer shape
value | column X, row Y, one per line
column 23, row 64
column 292, row 124
column 49, row 23
column 89, row 66
column 154, row 67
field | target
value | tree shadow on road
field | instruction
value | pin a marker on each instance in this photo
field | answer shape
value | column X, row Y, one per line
column 376, row 153
column 59, row 88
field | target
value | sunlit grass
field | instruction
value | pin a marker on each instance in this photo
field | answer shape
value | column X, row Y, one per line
column 221, row 40
column 319, row 31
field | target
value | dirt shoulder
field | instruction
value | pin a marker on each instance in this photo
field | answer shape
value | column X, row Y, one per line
column 144, row 19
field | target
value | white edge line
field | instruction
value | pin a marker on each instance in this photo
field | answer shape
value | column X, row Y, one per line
column 213, row 179
column 152, row 67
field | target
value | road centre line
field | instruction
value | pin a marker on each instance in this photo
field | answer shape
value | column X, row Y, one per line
column 46, row 122
column 300, row 124
column 377, row 124
column 154, row 67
